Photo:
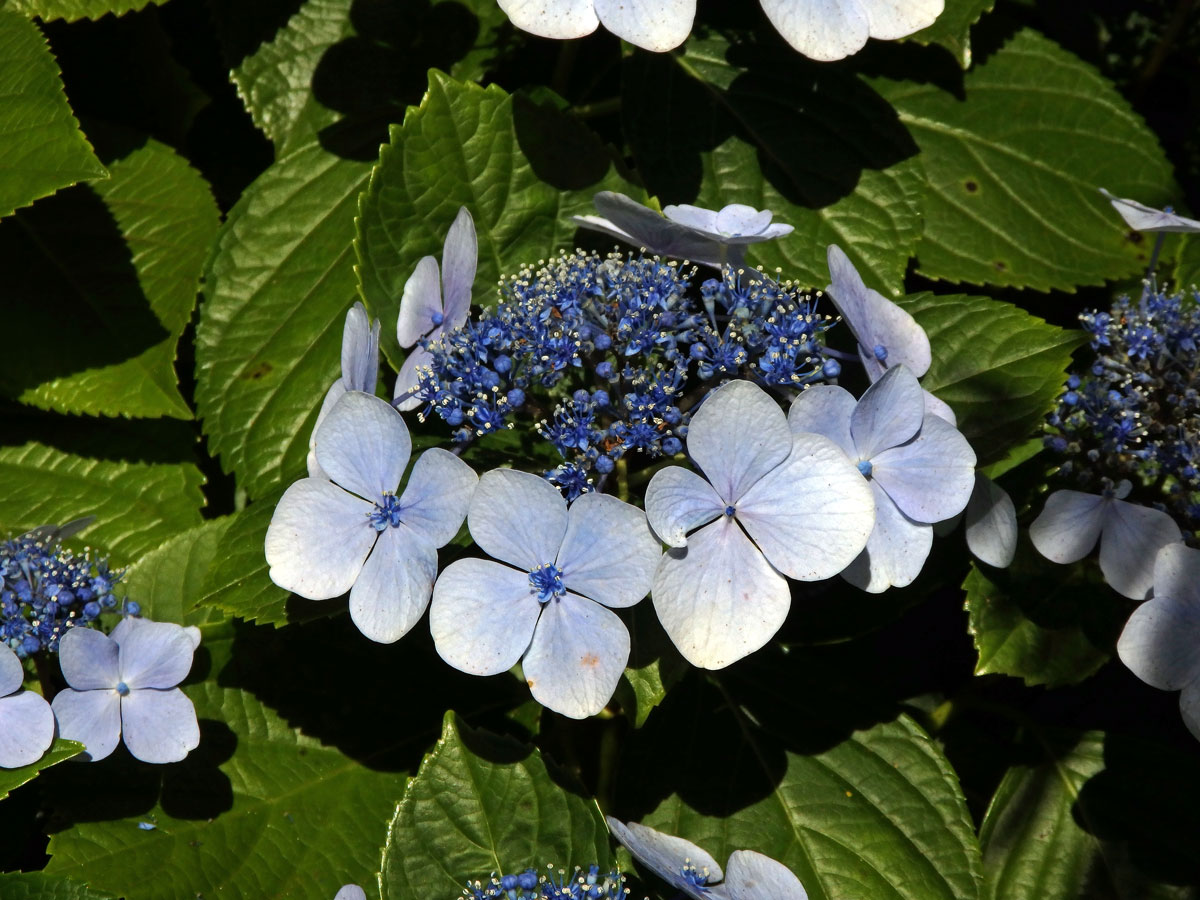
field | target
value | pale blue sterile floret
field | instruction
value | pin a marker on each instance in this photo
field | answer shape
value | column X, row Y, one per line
column 1159, row 643
column 352, row 533
column 690, row 869
column 123, row 686
column 920, row 469
column 26, row 722
column 713, row 237
column 1130, row 535
column 769, row 505
column 991, row 523
column 546, row 603
column 431, row 305
column 350, row 892
column 1146, row 218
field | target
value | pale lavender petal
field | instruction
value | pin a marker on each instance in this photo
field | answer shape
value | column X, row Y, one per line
column 559, row 19
column 991, row 523
column 159, row 726
column 89, row 659
column 153, row 654
column 420, row 302
column 578, row 652
column 825, row 409
column 410, row 378
column 517, row 517
column 937, row 407
column 752, row 876
column 350, row 892
column 609, row 552
column 394, row 587
column 12, row 673
column 895, row 552
column 1068, row 526
column 437, row 496
column 1146, row 218
column 666, row 855
column 93, row 718
column 1160, row 642
column 892, row 19
column 26, row 729
column 596, row 223
column 719, row 599
column 332, row 396
column 1189, row 708
column 1177, row 573
column 740, row 220
column 889, row 413
column 737, row 436
column 657, row 25
column 678, row 501
column 360, row 350
column 1133, row 535
column 696, row 217
column 820, row 29
column 364, row 445
column 930, row 478
column 482, row 616
column 459, row 257
column 810, row 516
column 659, row 235
column 318, row 539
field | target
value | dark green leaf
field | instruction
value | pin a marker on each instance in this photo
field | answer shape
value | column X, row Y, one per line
column 952, row 29
column 40, row 886
column 11, row 779
column 71, row 10
column 1187, row 267
column 167, row 581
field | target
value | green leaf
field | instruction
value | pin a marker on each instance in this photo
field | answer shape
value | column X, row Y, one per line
column 1000, row 368
column 120, row 262
column 1094, row 816
column 521, row 169
column 952, row 29
column 1015, row 162
column 167, row 581
column 277, row 288
column 654, row 666
column 11, row 779
column 759, row 124
column 1187, row 267
column 41, row 146
column 40, row 886
column 481, row 805
column 73, row 10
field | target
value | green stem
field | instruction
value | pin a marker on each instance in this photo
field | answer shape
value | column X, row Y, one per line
column 622, row 470
column 607, row 107
column 609, row 754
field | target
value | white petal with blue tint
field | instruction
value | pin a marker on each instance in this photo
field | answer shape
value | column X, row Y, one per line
column 318, row 539
column 364, row 445
column 666, row 854
column 679, row 501
column 420, row 302
column 91, row 717
column 578, row 652
column 1133, row 536
column 332, row 396
column 696, row 217
column 991, row 523
column 810, row 516
column 409, row 378
column 437, row 496
column 825, row 409
column 159, row 726
column 12, row 673
column 752, row 876
column 888, row 414
column 1177, row 573
column 350, row 892
column 895, row 552
column 1141, row 217
column 719, row 599
column 935, row 406
column 736, row 436
column 460, row 254
column 739, row 220
column 1159, row 643
column 929, row 478
column 482, row 616
column 360, row 350
column 609, row 552
column 1068, row 526
column 892, row 19
column 820, row 29
column 26, row 729
column 517, row 517
column 648, row 229
column 89, row 659
column 1189, row 708
column 153, row 654
column 558, row 19
column 395, row 584
column 656, row 25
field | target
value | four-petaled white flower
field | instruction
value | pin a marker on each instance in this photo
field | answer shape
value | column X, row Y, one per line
column 355, row 534
column 551, row 611
column 360, row 371
column 26, row 722
column 650, row 24
column 1141, row 217
column 770, row 504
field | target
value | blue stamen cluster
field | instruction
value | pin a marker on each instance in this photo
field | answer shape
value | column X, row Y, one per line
column 546, row 581
column 46, row 590
column 597, row 353
column 1136, row 413
column 386, row 513
column 555, row 884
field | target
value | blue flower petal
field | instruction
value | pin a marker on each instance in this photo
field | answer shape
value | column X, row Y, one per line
column 89, row 659
column 420, row 302
column 678, row 501
column 609, row 552
column 736, row 436
column 888, row 414
column 657, row 25
column 395, row 584
column 825, row 409
column 460, row 254
column 350, row 892
column 409, row 378
column 153, row 654
column 667, row 855
column 895, row 552
column 437, row 496
column 1132, row 538
column 159, row 726
column 1146, row 218
column 360, row 350
column 482, row 616
column 1069, row 526
column 752, row 876
column 559, row 19
column 364, row 445
column 1159, row 641
column 991, row 523
column 930, row 477
column 26, row 729
column 820, row 29
column 91, row 717
column 332, row 396
column 517, row 517
column 12, row 673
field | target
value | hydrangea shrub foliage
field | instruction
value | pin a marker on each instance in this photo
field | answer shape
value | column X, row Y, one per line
column 588, row 450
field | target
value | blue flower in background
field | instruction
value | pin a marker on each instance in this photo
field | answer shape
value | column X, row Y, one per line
column 748, row 875
column 920, row 469
column 26, row 722
column 769, row 503
column 360, row 371
column 549, row 606
column 355, row 534
column 123, row 685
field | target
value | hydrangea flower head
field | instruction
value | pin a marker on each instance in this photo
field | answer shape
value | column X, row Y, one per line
column 1140, row 217
column 1130, row 535
column 769, row 504
column 650, row 24
column 554, row 884
column 748, row 875
column 360, row 371
column 429, row 306
column 123, row 685
column 26, row 722
column 547, row 602
column 713, row 237
column 919, row 467
column 1159, row 643
column 352, row 533
column 826, row 30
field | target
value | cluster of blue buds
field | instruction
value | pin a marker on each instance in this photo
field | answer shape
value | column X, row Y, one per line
column 1136, row 413
column 596, row 352
column 46, row 590
column 554, row 884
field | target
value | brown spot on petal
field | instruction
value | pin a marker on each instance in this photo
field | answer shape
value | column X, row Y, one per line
column 590, row 660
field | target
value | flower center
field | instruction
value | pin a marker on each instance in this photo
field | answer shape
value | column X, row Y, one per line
column 729, row 510
column 122, row 689
column 864, row 466
column 438, row 319
column 692, row 875
column 387, row 512
column 546, row 582
column 880, row 352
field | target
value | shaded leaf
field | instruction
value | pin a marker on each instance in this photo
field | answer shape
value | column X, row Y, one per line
column 167, row 581
column 11, row 779
column 952, row 29
column 72, row 10
column 40, row 886
column 1187, row 267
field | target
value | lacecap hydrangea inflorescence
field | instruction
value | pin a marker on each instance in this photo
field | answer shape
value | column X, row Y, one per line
column 553, row 884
